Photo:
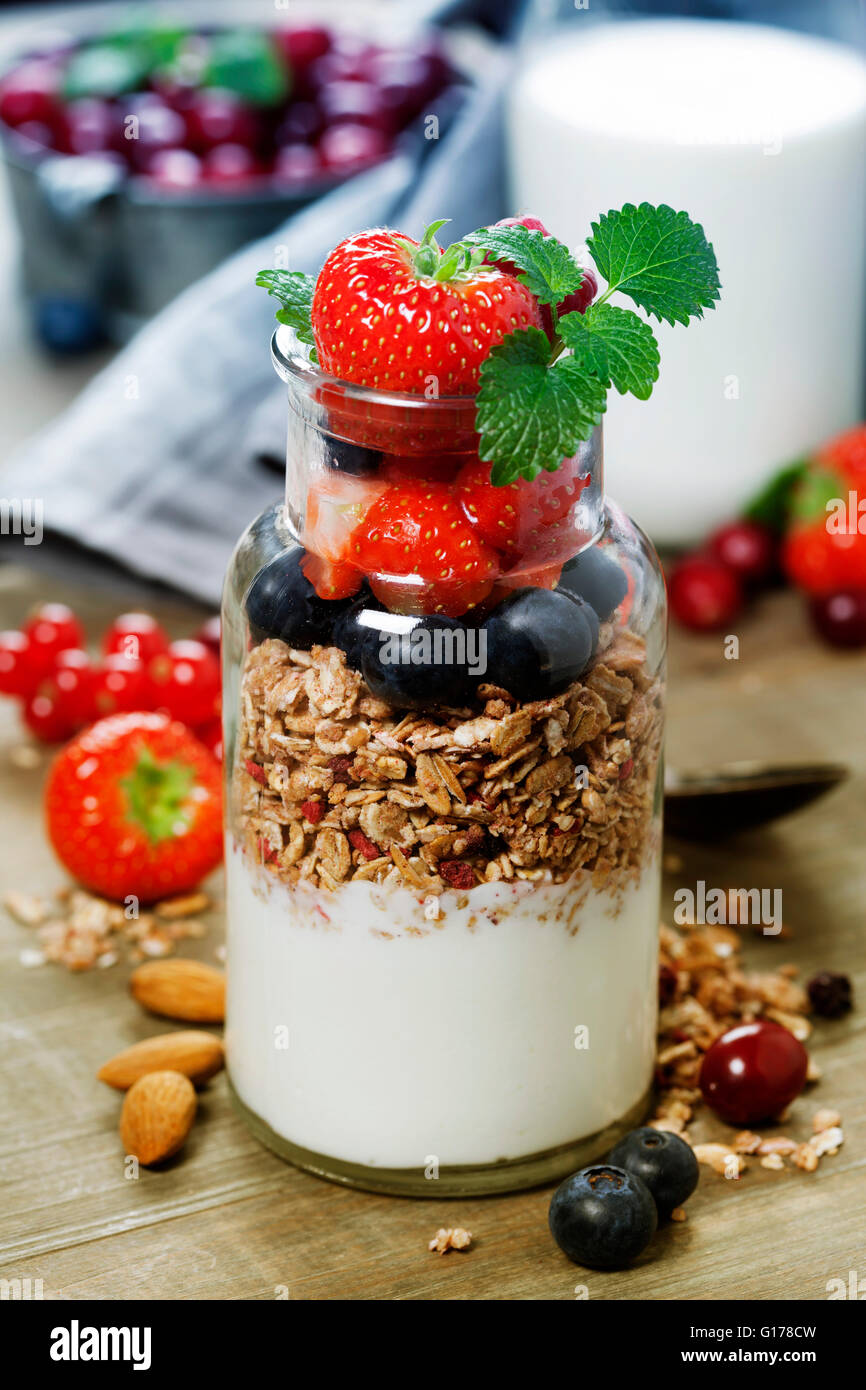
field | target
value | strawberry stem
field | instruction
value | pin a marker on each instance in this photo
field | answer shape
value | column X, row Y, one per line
column 156, row 795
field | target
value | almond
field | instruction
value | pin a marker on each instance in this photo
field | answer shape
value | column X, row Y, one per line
column 194, row 1054
column 183, row 989
column 157, row 1115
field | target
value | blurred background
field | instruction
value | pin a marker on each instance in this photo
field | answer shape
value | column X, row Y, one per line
column 157, row 155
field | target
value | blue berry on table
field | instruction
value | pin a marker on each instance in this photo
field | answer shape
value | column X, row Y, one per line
column 602, row 1217
column 663, row 1161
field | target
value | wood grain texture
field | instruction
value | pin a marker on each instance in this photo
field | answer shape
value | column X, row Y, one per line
column 227, row 1220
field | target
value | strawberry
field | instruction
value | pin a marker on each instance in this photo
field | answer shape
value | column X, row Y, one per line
column 421, row 553
column 507, row 516
column 133, row 807
column 579, row 301
column 331, row 579
column 846, row 454
column 398, row 314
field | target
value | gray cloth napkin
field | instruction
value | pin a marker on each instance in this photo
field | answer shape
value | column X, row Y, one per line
column 158, row 463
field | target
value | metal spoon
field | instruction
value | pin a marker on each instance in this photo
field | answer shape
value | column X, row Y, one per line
column 710, row 803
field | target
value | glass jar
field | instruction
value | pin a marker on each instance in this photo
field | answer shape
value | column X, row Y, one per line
column 444, row 804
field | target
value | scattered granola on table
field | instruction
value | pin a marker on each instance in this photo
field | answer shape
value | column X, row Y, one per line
column 703, row 992
column 450, row 1239
column 82, row 931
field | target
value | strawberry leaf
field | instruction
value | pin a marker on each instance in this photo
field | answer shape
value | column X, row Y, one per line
column 547, row 267
column 532, row 415
column 659, row 258
column 295, row 291
column 615, row 345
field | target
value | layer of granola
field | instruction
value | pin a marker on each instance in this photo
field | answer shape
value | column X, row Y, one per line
column 332, row 784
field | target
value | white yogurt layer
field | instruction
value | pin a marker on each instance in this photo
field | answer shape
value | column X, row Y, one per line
column 450, row 1040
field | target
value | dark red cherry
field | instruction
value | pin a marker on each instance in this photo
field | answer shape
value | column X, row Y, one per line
column 753, row 1072
column 747, row 548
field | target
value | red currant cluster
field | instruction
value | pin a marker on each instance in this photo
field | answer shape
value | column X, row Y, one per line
column 46, row 666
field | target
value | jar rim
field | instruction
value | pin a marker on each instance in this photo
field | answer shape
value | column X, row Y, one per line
column 292, row 362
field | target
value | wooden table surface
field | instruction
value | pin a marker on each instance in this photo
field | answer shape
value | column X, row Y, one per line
column 228, row 1220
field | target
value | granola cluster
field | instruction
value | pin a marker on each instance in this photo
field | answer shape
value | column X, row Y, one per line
column 332, row 784
column 704, row 991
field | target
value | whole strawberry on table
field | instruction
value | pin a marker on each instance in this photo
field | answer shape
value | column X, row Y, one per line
column 478, row 526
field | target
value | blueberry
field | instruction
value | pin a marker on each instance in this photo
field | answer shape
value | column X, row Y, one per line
column 663, row 1162
column 416, row 662
column 281, row 602
column 588, row 612
column 597, row 578
column 356, row 629
column 602, row 1217
column 538, row 641
column 344, row 457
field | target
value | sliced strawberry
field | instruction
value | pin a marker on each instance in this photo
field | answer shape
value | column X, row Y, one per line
column 421, row 554
column 331, row 579
column 509, row 517
column 336, row 503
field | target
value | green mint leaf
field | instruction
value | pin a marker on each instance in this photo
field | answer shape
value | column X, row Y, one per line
column 547, row 268
column 246, row 61
column 614, row 344
column 105, row 70
column 659, row 258
column 772, row 506
column 814, row 489
column 531, row 415
column 294, row 290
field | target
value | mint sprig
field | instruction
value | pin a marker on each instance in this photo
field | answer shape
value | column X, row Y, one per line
column 659, row 258
column 615, row 346
column 547, row 267
column 531, row 414
column 536, row 405
column 294, row 290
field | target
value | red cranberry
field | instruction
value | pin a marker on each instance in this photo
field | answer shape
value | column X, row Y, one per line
column 704, row 594
column 88, row 126
column 753, row 1072
column 296, row 165
column 841, row 618
column 19, row 671
column 73, row 679
column 830, row 993
column 347, row 148
column 210, row 633
column 155, row 127
column 353, row 102
column 51, row 628
column 30, row 93
column 217, row 117
column 46, row 717
column 230, row 164
column 532, row 224
column 137, row 636
column 747, row 548
column 301, row 124
column 175, row 169
column 304, row 45
column 120, row 686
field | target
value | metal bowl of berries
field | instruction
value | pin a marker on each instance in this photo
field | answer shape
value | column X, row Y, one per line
column 141, row 158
